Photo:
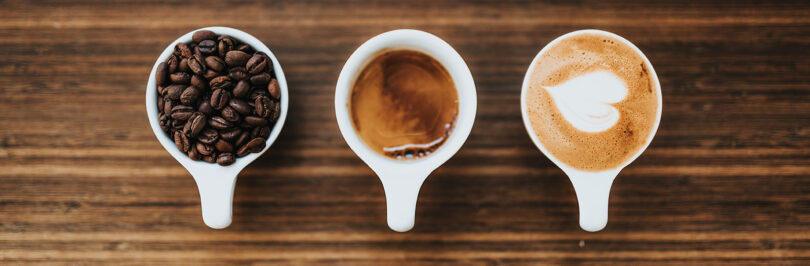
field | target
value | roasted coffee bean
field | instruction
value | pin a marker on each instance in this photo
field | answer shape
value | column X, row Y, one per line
column 261, row 132
column 230, row 134
column 207, row 46
column 182, row 66
column 205, row 107
column 276, row 112
column 226, row 159
column 260, row 80
column 193, row 154
column 202, row 35
column 210, row 74
column 254, row 121
column 161, row 90
column 160, row 103
column 172, row 62
column 256, row 64
column 182, row 49
column 174, row 91
column 245, row 48
column 161, row 74
column 238, row 73
column 236, row 58
column 215, row 63
column 274, row 89
column 242, row 89
column 195, row 125
column 240, row 106
column 223, row 146
column 220, row 99
column 256, row 93
column 221, row 82
column 182, row 112
column 197, row 65
column 208, row 136
column 204, row 149
column 263, row 106
column 218, row 122
column 210, row 158
column 182, row 142
column 168, row 104
column 177, row 125
column 254, row 145
column 180, row 77
column 242, row 139
column 190, row 95
column 199, row 82
column 165, row 122
column 195, row 51
column 225, row 44
column 229, row 114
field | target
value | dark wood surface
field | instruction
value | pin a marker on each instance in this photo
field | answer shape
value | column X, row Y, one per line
column 726, row 180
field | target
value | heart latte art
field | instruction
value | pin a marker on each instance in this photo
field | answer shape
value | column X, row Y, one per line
column 592, row 101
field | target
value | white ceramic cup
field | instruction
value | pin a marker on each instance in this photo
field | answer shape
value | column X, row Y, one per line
column 592, row 188
column 214, row 182
column 402, row 179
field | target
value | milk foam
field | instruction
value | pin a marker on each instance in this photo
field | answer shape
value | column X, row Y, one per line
column 585, row 101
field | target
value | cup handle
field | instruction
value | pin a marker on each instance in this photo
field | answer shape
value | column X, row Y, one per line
column 401, row 193
column 593, row 193
column 216, row 198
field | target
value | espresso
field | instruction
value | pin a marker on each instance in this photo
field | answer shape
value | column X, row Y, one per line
column 592, row 101
column 403, row 104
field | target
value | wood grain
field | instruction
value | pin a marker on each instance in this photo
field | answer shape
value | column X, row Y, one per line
column 726, row 180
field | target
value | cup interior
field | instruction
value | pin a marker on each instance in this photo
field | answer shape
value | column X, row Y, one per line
column 526, row 84
column 411, row 40
column 168, row 144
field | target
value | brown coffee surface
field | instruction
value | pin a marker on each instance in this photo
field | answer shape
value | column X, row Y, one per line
column 403, row 104
column 582, row 54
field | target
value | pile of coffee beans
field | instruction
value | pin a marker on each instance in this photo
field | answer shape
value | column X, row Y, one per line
column 218, row 98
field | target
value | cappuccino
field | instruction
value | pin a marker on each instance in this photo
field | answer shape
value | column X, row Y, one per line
column 403, row 104
column 592, row 101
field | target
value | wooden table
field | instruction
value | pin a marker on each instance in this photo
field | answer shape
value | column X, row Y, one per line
column 84, row 180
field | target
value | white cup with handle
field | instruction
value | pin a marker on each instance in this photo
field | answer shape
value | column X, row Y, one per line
column 402, row 179
column 592, row 188
column 215, row 182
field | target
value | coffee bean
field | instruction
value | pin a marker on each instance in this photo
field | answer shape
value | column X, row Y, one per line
column 245, row 48
column 182, row 112
column 254, row 121
column 177, row 125
column 180, row 77
column 182, row 66
column 208, row 136
column 193, row 153
column 221, row 82
column 210, row 74
column 165, row 122
column 208, row 46
column 220, row 99
column 261, row 132
column 173, row 92
column 223, row 146
column 199, row 82
column 195, row 125
column 205, row 107
column 161, row 74
column 264, row 106
column 168, row 104
column 215, row 63
column 190, row 95
column 210, row 158
column 218, row 122
column 274, row 89
column 242, row 139
column 240, row 106
column 172, row 62
column 236, row 58
column 242, row 89
column 226, row 159
column 238, row 73
column 229, row 114
column 276, row 112
column 204, row 149
column 256, row 93
column 254, row 145
column 230, row 134
column 225, row 45
column 260, row 80
column 197, row 65
column 160, row 103
column 256, row 64
column 269, row 67
column 202, row 35
column 195, row 50
column 182, row 142
column 182, row 49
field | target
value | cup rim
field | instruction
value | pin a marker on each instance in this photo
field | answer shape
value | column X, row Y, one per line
column 443, row 53
column 168, row 144
column 526, row 84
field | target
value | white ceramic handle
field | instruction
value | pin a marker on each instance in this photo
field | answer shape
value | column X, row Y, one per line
column 401, row 193
column 216, row 198
column 593, row 193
